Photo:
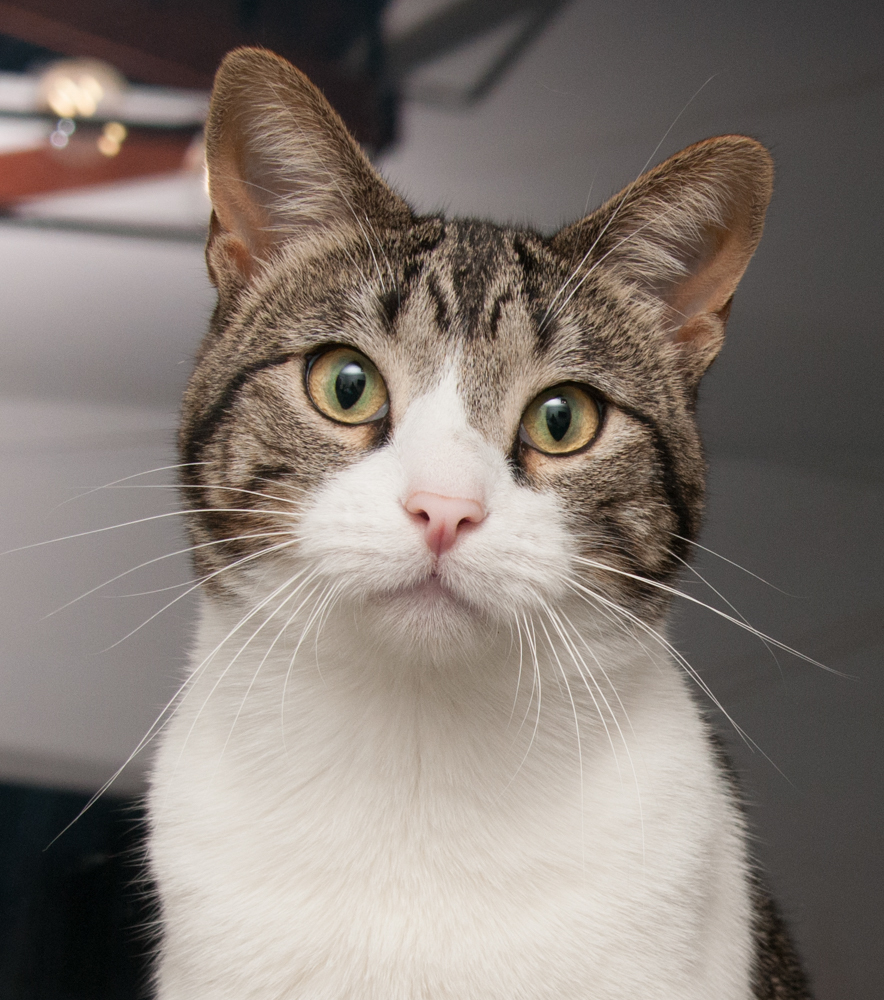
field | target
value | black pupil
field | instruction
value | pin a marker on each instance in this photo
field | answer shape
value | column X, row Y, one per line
column 350, row 384
column 558, row 417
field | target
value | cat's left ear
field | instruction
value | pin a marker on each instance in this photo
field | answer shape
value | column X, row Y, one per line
column 680, row 237
column 282, row 168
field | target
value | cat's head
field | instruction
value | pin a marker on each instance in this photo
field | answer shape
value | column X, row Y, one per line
column 436, row 425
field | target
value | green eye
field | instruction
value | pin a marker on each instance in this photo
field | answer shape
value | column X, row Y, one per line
column 345, row 386
column 561, row 420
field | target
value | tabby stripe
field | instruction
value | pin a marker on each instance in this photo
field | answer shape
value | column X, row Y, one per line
column 532, row 271
column 435, row 292
column 391, row 303
column 202, row 432
column 496, row 310
column 675, row 493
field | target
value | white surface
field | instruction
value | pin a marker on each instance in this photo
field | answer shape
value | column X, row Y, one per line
column 170, row 106
column 94, row 319
column 19, row 134
column 179, row 201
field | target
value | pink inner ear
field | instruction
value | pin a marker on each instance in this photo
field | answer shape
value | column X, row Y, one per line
column 697, row 328
column 710, row 286
column 240, row 215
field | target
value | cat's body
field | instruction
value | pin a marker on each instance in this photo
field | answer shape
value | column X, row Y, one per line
column 434, row 744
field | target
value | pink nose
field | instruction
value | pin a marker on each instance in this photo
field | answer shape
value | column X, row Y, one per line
column 443, row 517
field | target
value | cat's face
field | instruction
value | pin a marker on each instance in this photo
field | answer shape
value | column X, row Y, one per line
column 438, row 426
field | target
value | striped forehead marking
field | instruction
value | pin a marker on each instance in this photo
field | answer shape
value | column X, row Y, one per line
column 472, row 275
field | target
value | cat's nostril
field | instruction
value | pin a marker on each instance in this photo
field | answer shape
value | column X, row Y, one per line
column 443, row 517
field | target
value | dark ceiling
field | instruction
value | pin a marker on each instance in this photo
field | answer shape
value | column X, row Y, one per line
column 338, row 43
column 179, row 44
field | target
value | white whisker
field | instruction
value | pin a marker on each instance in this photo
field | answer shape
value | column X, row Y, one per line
column 721, row 596
column 736, row 565
column 125, row 479
column 558, row 627
column 156, row 559
column 206, row 487
column 683, row 662
column 555, row 655
column 203, row 580
column 145, row 520
column 587, row 675
column 163, row 718
column 327, row 590
column 259, row 607
column 709, row 607
column 531, row 640
column 519, row 677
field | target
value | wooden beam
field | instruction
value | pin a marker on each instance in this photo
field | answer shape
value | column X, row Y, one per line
column 30, row 173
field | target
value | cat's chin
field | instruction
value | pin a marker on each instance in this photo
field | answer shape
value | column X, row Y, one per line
column 427, row 615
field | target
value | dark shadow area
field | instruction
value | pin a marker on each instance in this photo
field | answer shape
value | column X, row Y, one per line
column 74, row 918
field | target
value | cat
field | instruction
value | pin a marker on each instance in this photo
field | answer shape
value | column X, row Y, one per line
column 442, row 476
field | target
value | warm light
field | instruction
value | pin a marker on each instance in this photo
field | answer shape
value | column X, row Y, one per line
column 115, row 131
column 80, row 88
column 111, row 138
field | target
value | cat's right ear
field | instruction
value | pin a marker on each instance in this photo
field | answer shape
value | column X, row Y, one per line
column 282, row 168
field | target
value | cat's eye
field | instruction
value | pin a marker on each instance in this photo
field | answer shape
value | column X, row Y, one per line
column 561, row 420
column 345, row 386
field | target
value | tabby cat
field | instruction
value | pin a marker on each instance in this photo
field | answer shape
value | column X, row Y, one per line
column 442, row 476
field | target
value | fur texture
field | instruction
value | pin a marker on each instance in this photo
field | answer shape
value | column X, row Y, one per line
column 398, row 771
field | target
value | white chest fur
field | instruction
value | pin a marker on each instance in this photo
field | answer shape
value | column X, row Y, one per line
column 426, row 838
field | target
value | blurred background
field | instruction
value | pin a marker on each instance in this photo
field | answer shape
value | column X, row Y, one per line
column 516, row 110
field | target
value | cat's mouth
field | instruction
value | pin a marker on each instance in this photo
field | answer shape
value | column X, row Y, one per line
column 430, row 588
column 431, row 593
column 428, row 614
